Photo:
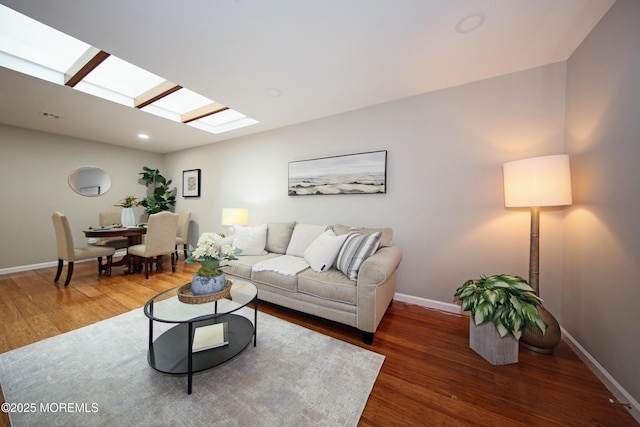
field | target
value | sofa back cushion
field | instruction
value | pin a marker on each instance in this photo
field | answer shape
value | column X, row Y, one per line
column 355, row 250
column 278, row 236
column 303, row 235
column 385, row 240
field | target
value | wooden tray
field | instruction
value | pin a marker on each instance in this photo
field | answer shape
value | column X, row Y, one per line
column 186, row 296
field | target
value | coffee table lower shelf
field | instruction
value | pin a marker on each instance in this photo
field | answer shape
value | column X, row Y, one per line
column 169, row 353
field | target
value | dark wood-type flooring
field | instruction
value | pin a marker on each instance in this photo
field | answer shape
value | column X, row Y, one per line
column 430, row 377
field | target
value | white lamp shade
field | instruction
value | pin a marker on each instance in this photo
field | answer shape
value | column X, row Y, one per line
column 233, row 216
column 537, row 182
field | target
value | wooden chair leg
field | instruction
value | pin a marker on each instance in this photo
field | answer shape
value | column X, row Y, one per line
column 69, row 273
column 59, row 272
column 99, row 265
column 173, row 263
column 185, row 252
column 147, row 261
column 109, row 261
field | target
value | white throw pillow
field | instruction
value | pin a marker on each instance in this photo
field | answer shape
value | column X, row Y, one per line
column 302, row 236
column 355, row 250
column 323, row 251
column 251, row 240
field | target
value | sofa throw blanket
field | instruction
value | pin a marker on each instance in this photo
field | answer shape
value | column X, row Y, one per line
column 287, row 265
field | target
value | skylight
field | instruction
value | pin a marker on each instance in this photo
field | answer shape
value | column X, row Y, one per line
column 32, row 48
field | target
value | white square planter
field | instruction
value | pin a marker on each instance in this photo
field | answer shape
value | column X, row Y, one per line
column 487, row 342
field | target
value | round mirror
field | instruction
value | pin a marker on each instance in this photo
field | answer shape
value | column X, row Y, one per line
column 89, row 181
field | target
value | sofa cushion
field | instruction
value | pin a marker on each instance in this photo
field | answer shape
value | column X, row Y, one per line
column 251, row 240
column 303, row 235
column 355, row 250
column 331, row 285
column 385, row 240
column 277, row 280
column 322, row 252
column 278, row 236
column 243, row 265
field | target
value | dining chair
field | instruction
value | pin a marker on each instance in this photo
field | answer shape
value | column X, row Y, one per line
column 182, row 237
column 162, row 228
column 107, row 218
column 67, row 251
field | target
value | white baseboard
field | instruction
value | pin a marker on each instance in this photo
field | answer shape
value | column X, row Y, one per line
column 21, row 268
column 618, row 392
column 428, row 303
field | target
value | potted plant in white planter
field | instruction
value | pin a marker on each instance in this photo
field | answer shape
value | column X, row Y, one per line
column 501, row 306
column 128, row 218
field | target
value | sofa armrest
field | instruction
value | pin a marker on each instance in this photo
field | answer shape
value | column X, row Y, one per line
column 376, row 287
column 380, row 266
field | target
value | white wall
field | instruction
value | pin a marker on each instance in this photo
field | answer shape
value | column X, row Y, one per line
column 444, row 199
column 601, row 290
column 34, row 168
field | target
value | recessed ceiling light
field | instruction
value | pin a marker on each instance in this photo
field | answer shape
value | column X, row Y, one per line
column 274, row 92
column 470, row 23
column 143, row 136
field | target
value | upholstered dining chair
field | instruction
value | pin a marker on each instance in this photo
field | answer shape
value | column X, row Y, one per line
column 107, row 218
column 182, row 237
column 160, row 239
column 67, row 251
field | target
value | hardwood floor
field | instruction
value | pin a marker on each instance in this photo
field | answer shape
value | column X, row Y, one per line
column 430, row 376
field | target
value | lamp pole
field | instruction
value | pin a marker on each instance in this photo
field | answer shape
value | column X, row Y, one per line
column 534, row 250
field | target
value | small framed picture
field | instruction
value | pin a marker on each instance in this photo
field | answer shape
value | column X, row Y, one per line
column 191, row 183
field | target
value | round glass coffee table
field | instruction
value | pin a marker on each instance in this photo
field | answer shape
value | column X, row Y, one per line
column 225, row 332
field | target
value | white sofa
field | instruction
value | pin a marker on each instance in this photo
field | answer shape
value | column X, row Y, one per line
column 306, row 267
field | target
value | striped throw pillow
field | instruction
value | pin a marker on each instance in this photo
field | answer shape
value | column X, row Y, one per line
column 357, row 248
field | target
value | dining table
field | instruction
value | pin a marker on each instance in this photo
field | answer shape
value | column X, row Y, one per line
column 133, row 235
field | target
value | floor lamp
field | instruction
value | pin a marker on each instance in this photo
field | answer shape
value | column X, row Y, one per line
column 535, row 183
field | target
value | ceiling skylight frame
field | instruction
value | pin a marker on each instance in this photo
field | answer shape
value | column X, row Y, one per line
column 87, row 69
column 123, row 77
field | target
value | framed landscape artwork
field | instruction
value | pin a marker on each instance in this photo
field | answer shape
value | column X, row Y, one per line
column 191, row 183
column 362, row 173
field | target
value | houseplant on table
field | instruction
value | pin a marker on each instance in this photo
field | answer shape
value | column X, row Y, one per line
column 127, row 217
column 209, row 253
column 506, row 301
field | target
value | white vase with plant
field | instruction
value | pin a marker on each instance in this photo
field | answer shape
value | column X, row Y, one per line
column 210, row 253
column 128, row 217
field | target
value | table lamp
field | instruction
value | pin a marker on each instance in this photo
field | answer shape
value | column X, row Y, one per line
column 232, row 216
column 534, row 183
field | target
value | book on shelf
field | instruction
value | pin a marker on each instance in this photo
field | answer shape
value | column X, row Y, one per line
column 210, row 336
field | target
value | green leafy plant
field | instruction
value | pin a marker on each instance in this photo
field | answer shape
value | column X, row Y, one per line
column 507, row 301
column 128, row 202
column 160, row 195
column 210, row 253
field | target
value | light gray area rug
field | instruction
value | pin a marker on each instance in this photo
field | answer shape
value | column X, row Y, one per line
column 99, row 376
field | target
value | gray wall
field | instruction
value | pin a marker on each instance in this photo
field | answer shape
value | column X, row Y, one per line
column 34, row 167
column 445, row 195
column 601, row 289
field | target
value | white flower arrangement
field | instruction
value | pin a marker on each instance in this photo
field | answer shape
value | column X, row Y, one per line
column 210, row 252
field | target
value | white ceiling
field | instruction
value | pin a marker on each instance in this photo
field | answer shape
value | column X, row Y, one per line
column 325, row 56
